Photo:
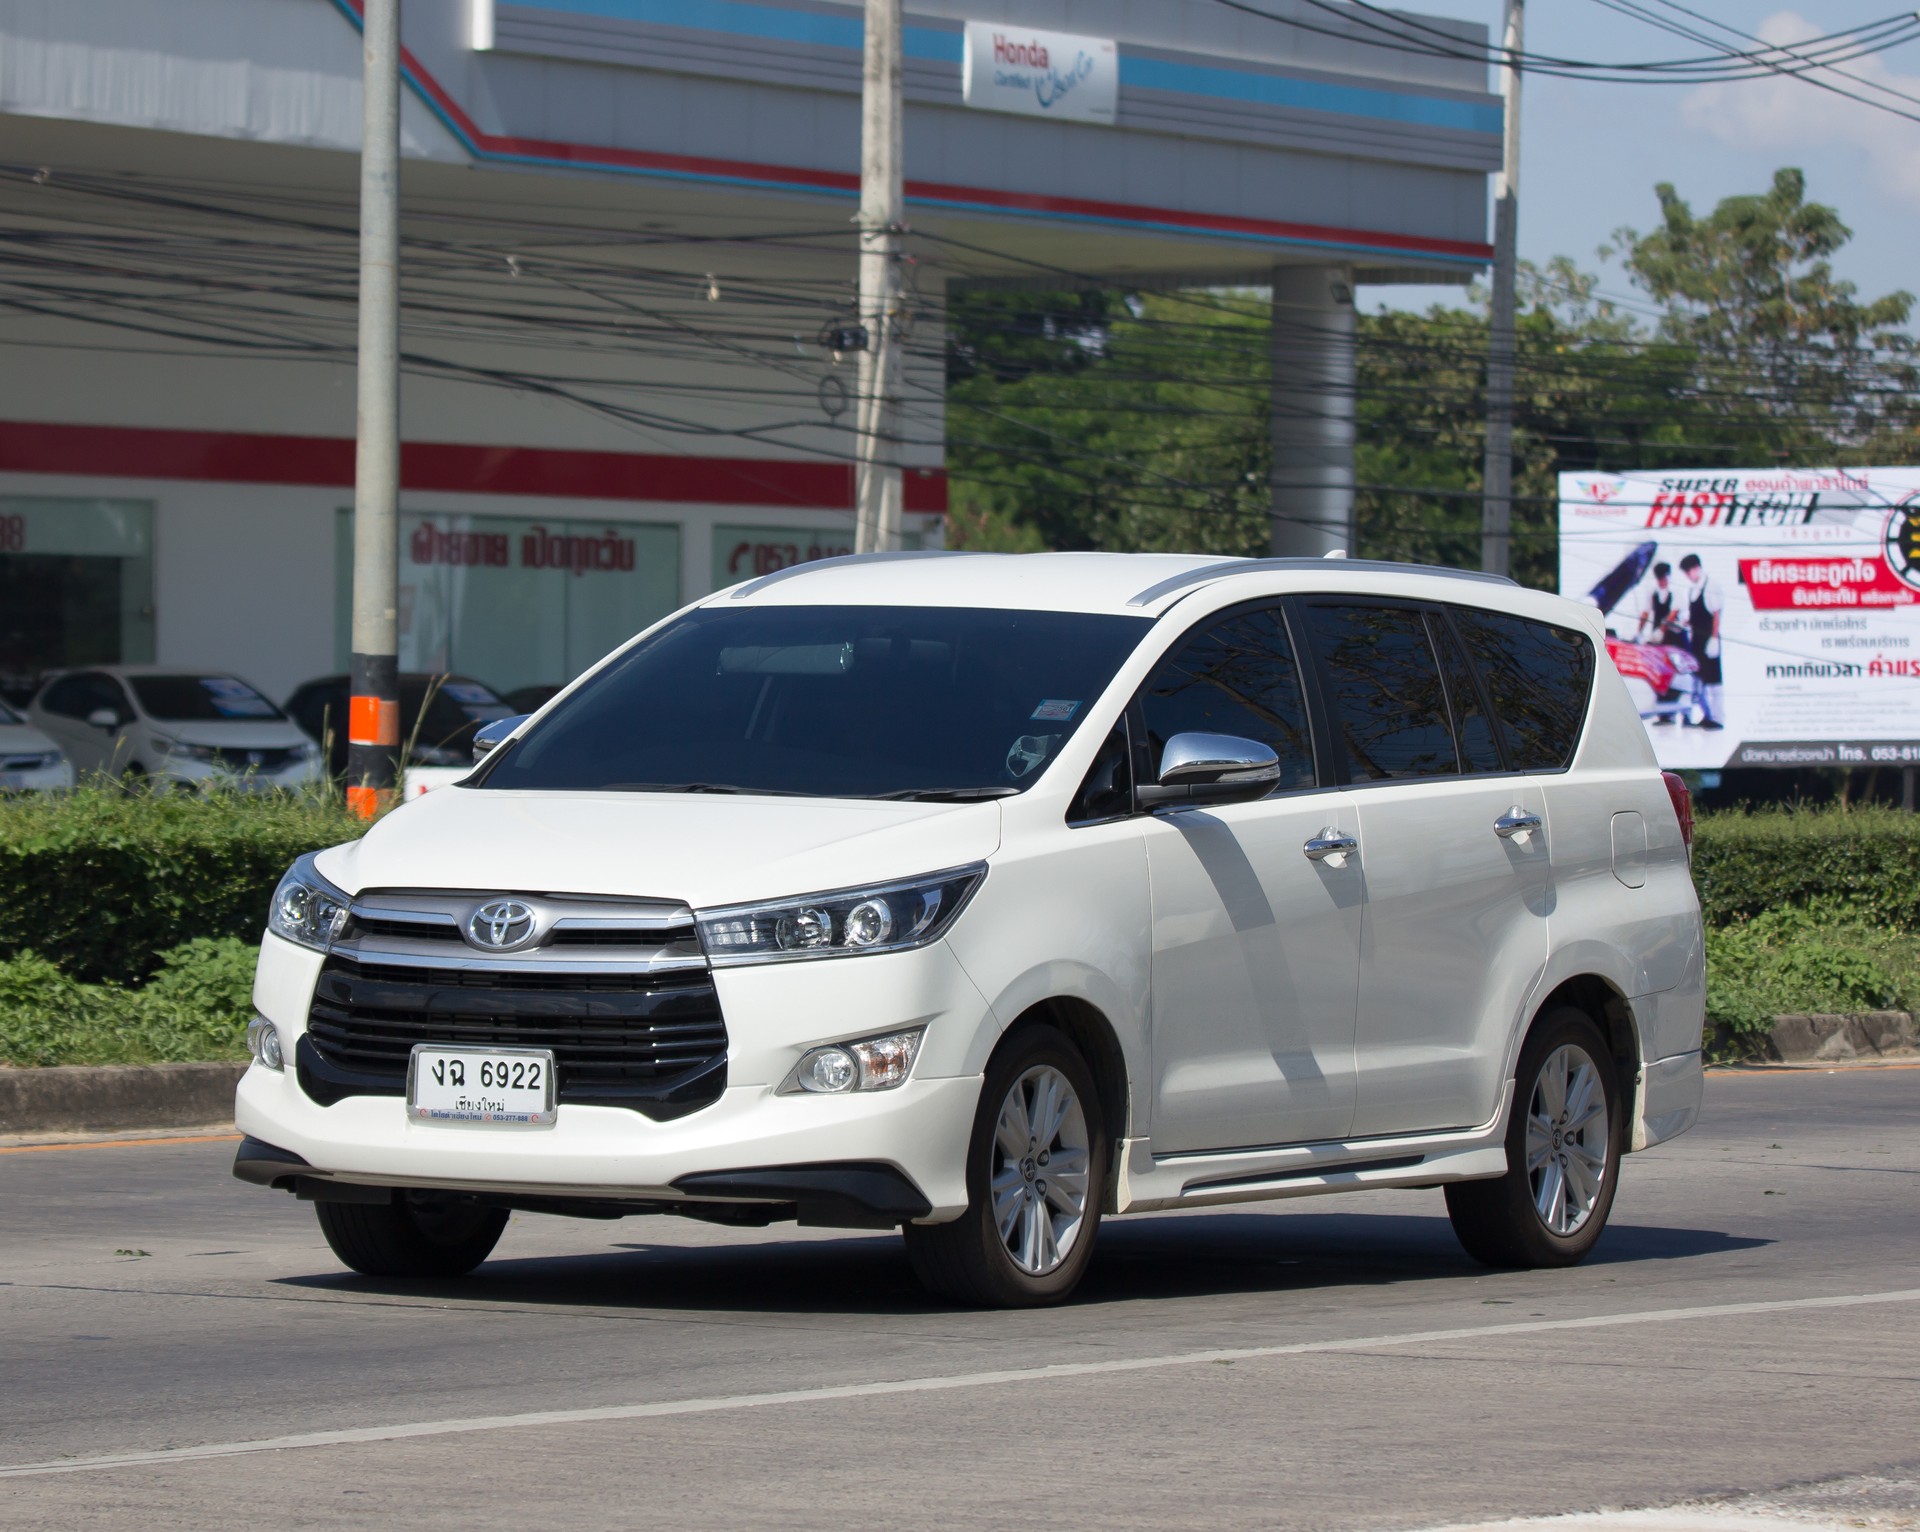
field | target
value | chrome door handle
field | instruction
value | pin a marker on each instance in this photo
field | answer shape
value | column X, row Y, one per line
column 1330, row 843
column 1516, row 821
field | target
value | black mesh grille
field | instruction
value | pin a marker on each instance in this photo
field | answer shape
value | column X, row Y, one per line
column 617, row 1038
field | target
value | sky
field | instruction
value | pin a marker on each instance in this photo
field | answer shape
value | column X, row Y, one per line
column 1590, row 154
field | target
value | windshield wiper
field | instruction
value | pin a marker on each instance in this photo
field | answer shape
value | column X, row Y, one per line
column 949, row 794
column 685, row 787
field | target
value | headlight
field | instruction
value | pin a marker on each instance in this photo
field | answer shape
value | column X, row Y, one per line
column 181, row 750
column 890, row 918
column 307, row 908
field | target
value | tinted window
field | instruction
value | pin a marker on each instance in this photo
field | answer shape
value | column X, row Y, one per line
column 1383, row 684
column 830, row 702
column 1107, row 792
column 1538, row 677
column 1471, row 726
column 202, row 699
column 67, row 697
column 1236, row 676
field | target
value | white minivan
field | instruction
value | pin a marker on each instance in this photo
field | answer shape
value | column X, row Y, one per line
column 984, row 896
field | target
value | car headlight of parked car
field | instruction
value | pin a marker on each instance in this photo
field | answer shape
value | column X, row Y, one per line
column 180, row 750
column 892, row 917
column 306, row 908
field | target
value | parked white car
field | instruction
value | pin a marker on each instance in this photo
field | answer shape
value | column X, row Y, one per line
column 985, row 896
column 174, row 728
column 29, row 761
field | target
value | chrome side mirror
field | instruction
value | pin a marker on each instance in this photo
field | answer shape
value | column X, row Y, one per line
column 1199, row 769
column 491, row 736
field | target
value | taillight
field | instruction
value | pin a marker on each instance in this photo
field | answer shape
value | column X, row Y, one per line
column 1682, row 797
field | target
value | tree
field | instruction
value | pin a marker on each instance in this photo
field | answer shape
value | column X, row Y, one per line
column 1750, row 290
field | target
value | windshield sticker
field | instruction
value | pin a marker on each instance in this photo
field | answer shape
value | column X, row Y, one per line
column 1053, row 709
column 235, row 699
column 1028, row 754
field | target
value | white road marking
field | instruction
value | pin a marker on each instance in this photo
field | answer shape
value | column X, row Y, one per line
column 1056, row 1372
column 1654, row 1521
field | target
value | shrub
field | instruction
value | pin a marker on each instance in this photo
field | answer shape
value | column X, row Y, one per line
column 1866, row 862
column 1817, row 958
column 197, row 1007
column 102, row 884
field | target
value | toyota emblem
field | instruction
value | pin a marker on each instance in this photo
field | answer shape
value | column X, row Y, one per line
column 502, row 924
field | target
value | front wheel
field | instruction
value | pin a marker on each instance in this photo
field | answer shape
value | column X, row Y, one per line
column 1563, row 1153
column 417, row 1234
column 1036, row 1169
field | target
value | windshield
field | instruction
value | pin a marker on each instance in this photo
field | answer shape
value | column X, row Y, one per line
column 201, row 699
column 831, row 702
column 7, row 715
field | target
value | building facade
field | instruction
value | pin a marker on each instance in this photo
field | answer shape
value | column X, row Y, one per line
column 627, row 277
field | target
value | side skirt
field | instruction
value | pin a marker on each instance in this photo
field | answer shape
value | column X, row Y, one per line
column 1147, row 1183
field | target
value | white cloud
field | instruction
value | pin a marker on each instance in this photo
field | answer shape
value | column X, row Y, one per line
column 1783, row 112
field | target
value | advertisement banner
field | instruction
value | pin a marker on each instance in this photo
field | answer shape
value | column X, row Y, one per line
column 1760, row 617
column 1007, row 68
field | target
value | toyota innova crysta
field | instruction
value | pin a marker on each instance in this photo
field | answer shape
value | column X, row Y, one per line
column 987, row 896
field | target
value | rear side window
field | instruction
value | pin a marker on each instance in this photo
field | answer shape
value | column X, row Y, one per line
column 1235, row 676
column 1383, row 688
column 1538, row 677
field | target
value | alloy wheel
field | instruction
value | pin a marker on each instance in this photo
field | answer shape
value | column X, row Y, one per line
column 1568, row 1139
column 1039, row 1177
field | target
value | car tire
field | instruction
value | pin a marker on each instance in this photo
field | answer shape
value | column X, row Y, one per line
column 417, row 1234
column 1033, row 1208
column 1564, row 1144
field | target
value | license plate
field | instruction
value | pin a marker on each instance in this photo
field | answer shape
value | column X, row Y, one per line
column 497, row 1087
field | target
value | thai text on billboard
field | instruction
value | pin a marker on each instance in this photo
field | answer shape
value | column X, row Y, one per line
column 1760, row 617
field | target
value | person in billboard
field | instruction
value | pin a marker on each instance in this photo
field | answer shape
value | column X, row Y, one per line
column 1703, row 638
column 1659, row 623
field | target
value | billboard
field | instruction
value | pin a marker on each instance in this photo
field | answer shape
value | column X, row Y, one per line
column 1760, row 617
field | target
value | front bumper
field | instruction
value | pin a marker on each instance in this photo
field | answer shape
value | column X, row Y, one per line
column 732, row 1151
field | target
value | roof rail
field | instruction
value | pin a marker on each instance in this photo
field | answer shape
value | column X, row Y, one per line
column 753, row 586
column 1227, row 567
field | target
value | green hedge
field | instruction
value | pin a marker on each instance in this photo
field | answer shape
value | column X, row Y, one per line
column 196, row 1007
column 1866, row 862
column 104, row 885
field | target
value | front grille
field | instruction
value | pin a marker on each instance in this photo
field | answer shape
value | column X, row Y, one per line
column 617, row 1039
column 256, row 760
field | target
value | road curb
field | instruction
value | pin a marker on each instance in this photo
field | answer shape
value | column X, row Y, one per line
column 115, row 1098
column 1824, row 1038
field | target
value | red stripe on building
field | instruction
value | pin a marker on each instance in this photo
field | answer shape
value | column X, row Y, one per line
column 236, row 457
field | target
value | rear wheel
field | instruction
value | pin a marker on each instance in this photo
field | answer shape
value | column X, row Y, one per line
column 417, row 1234
column 1036, row 1166
column 1563, row 1153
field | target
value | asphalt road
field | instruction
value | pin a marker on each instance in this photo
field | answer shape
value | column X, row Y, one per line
column 1750, row 1323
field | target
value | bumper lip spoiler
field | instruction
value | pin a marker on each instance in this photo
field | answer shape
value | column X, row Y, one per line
column 845, row 1194
column 265, row 1164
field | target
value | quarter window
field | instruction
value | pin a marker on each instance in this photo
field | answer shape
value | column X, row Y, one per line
column 1235, row 676
column 1538, row 677
column 1389, row 711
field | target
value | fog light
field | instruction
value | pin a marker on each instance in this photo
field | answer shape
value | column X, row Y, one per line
column 886, row 1061
column 263, row 1042
column 829, row 1070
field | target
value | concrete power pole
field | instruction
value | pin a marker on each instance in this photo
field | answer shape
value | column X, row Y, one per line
column 373, row 717
column 877, row 476
column 1496, row 511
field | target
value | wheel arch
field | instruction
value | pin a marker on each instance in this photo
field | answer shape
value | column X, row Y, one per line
column 1611, row 1011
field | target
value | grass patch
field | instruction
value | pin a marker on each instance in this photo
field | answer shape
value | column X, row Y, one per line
column 195, row 1007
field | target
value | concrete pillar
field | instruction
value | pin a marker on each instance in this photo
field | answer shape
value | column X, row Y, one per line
column 1314, row 386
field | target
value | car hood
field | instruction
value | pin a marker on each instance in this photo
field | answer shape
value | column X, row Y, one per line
column 23, row 739
column 703, row 849
column 238, row 734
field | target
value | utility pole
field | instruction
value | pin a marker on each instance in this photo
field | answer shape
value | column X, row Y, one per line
column 373, row 714
column 1496, row 509
column 876, row 475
